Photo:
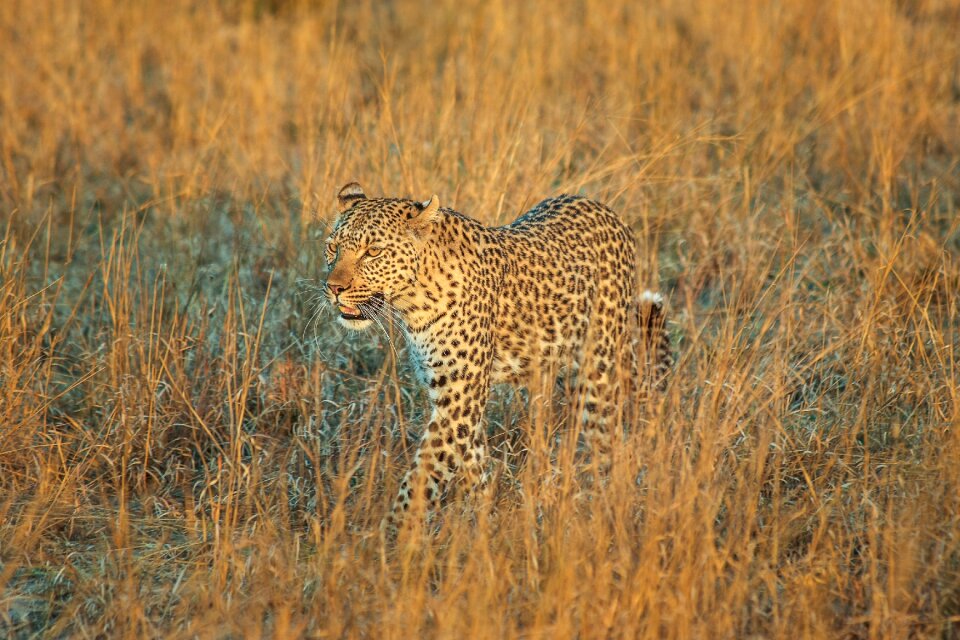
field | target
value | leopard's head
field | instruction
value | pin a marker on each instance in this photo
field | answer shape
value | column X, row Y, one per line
column 373, row 254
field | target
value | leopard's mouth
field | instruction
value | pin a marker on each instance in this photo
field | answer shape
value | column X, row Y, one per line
column 362, row 310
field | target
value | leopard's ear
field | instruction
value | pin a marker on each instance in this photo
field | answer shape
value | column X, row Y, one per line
column 425, row 212
column 349, row 195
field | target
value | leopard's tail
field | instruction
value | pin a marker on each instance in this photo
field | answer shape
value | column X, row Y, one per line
column 656, row 339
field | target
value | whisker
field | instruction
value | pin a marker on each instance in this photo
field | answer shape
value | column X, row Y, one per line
column 396, row 319
column 392, row 313
column 369, row 311
column 318, row 311
column 314, row 320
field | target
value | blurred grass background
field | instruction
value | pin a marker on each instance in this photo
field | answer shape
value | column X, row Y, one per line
column 189, row 447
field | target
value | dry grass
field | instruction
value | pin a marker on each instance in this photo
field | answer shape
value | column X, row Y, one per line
column 183, row 453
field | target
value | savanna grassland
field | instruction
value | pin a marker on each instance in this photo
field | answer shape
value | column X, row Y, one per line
column 191, row 447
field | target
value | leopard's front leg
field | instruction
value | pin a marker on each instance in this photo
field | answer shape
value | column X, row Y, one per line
column 453, row 444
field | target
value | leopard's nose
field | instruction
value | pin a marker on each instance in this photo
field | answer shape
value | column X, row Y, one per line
column 336, row 288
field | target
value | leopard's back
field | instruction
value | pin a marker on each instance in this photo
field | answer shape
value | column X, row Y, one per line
column 567, row 262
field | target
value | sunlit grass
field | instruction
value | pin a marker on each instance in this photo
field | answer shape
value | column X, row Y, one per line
column 188, row 448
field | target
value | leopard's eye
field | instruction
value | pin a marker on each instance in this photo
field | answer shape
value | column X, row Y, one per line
column 332, row 250
column 373, row 252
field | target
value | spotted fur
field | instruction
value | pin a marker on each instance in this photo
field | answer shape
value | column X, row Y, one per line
column 482, row 305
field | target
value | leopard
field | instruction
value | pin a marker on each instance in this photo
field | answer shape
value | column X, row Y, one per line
column 556, row 289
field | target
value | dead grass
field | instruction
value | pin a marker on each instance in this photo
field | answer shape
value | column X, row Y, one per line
column 187, row 450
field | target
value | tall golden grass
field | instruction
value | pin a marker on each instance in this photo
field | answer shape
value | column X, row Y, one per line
column 188, row 448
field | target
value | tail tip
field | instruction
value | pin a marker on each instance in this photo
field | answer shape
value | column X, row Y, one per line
column 652, row 298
